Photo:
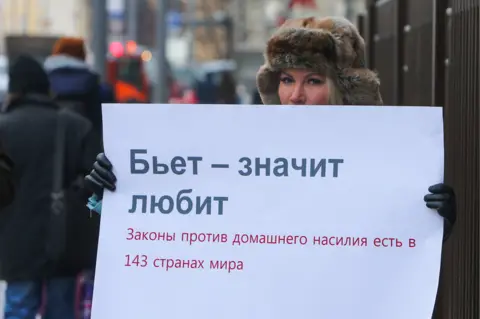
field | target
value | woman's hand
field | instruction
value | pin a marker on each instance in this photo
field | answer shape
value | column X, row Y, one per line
column 442, row 198
column 101, row 177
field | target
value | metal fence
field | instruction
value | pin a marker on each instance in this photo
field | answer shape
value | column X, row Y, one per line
column 427, row 54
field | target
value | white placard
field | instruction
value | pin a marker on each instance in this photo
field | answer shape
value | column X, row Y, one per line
column 349, row 239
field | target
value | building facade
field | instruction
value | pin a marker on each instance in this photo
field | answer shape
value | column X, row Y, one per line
column 255, row 20
column 45, row 17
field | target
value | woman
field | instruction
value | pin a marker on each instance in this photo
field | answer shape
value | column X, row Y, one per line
column 309, row 62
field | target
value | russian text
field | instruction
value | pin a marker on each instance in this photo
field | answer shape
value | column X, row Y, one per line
column 167, row 264
column 204, row 237
column 283, row 167
column 412, row 243
column 183, row 203
column 387, row 242
column 177, row 263
column 177, row 165
column 339, row 241
column 229, row 266
column 240, row 239
column 149, row 235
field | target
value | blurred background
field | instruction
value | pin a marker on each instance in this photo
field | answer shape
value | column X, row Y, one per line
column 152, row 45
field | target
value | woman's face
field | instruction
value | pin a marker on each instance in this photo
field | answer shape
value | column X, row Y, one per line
column 302, row 87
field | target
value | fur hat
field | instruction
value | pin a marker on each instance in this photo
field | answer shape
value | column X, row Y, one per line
column 73, row 47
column 331, row 46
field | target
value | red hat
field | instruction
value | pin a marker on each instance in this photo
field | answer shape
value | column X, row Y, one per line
column 74, row 47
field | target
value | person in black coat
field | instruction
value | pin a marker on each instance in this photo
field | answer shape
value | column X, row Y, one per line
column 35, row 243
column 7, row 190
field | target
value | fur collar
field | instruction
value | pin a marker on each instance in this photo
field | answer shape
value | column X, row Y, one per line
column 61, row 61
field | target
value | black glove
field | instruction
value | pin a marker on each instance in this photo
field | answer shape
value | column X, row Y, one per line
column 442, row 198
column 101, row 177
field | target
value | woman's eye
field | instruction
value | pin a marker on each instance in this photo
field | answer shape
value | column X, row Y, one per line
column 286, row 80
column 315, row 81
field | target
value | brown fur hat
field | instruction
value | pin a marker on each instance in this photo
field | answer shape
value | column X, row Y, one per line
column 73, row 47
column 331, row 46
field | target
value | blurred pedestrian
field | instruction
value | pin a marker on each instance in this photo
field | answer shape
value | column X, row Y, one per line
column 107, row 93
column 256, row 98
column 227, row 90
column 76, row 86
column 72, row 80
column 7, row 188
column 51, row 148
column 206, row 90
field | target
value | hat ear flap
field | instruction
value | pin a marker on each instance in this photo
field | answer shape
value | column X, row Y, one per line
column 268, row 81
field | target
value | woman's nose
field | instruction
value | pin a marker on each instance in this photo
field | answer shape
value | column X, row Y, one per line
column 298, row 95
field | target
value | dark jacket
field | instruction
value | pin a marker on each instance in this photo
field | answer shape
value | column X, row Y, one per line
column 227, row 90
column 72, row 80
column 207, row 90
column 256, row 98
column 107, row 94
column 28, row 129
column 7, row 190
